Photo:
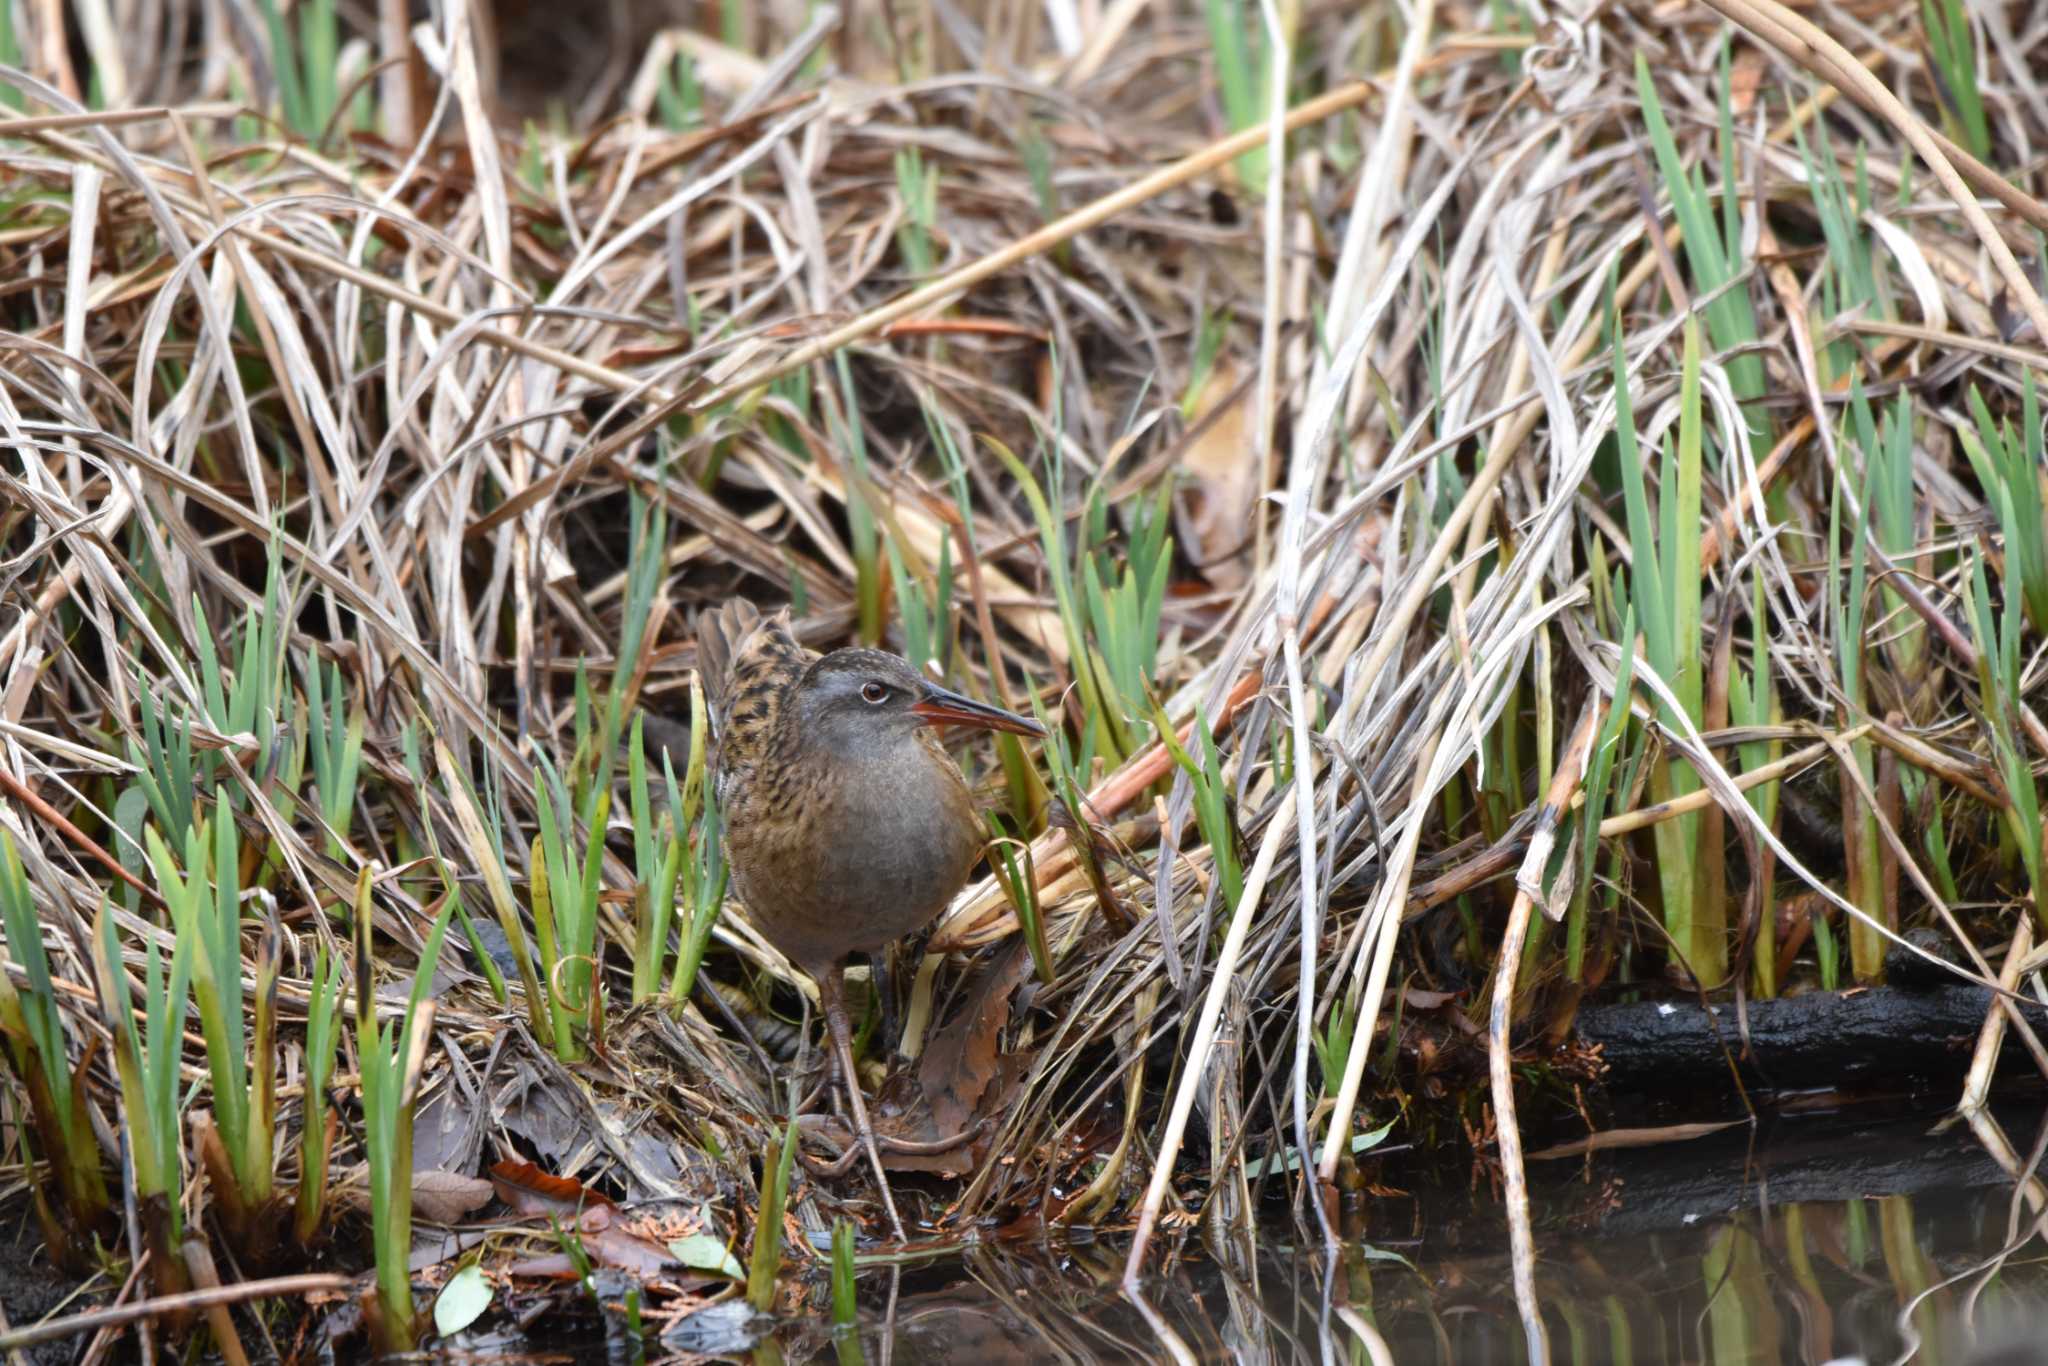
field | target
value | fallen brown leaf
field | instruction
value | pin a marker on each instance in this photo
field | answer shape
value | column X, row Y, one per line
column 960, row 1060
column 597, row 1221
column 438, row 1197
column 962, row 1079
column 530, row 1190
column 1223, row 471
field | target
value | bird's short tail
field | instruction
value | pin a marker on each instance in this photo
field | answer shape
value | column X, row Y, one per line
column 720, row 636
column 734, row 640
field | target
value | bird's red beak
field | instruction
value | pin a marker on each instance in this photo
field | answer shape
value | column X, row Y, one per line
column 943, row 707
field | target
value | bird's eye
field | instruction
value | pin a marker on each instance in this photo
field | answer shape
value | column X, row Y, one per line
column 875, row 694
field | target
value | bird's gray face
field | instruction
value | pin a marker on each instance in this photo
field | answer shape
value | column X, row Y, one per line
column 856, row 700
column 859, row 700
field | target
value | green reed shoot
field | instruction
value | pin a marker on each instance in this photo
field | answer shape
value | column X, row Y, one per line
column 1101, row 727
column 1020, row 774
column 1498, row 794
column 569, row 1237
column 335, row 733
column 705, row 876
column 792, row 391
column 481, row 828
column 147, row 1065
column 1859, row 821
column 1888, row 461
column 1953, row 54
column 323, row 1035
column 1009, row 858
column 765, row 1262
column 306, row 63
column 205, row 907
column 565, row 910
column 391, row 1056
column 248, row 701
column 657, row 860
column 1667, row 602
column 679, row 97
column 918, row 184
column 1753, row 701
column 1237, row 39
column 845, row 1301
column 10, row 55
column 1210, row 335
column 646, row 566
column 636, row 1327
column 923, row 613
column 1599, row 775
column 842, row 420
column 1713, row 251
column 33, row 1028
column 1124, row 615
column 1213, row 802
column 164, row 766
column 1073, row 795
column 1850, row 284
column 1998, row 690
column 2008, row 466
column 1333, row 1042
column 1827, row 951
column 1035, row 153
column 599, row 726
column 1917, row 788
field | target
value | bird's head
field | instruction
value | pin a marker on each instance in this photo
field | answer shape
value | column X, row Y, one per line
column 857, row 699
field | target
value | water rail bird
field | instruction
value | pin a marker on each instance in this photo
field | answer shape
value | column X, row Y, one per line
column 847, row 824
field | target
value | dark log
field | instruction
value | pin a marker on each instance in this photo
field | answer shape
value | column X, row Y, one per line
column 1818, row 1039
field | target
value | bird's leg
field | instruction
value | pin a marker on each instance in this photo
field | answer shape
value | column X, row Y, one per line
column 803, row 1042
column 832, row 996
column 809, row 1085
column 883, row 983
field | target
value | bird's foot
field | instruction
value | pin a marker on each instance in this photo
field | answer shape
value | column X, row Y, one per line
column 888, row 1143
column 836, row 1168
column 927, row 1147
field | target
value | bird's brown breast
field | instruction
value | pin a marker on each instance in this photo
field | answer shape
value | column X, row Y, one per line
column 832, row 859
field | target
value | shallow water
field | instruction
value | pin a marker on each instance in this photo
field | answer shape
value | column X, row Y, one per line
column 1841, row 1235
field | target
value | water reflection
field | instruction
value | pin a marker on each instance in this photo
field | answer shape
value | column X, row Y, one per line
column 1828, row 1238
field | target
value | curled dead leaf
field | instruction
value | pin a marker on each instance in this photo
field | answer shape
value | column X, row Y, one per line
column 530, row 1190
column 1222, row 476
column 438, row 1197
column 949, row 1107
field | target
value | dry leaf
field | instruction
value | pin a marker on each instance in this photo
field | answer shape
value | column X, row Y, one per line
column 438, row 1197
column 961, row 1079
column 444, row 1197
column 1222, row 477
column 530, row 1190
column 961, row 1059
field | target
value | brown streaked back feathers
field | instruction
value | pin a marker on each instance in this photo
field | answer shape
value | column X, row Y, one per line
column 739, row 650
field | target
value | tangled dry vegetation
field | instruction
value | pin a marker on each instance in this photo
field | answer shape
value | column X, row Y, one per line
column 362, row 491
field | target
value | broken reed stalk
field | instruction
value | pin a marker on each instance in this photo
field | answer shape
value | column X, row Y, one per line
column 1571, row 769
column 165, row 1306
column 1976, row 1092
